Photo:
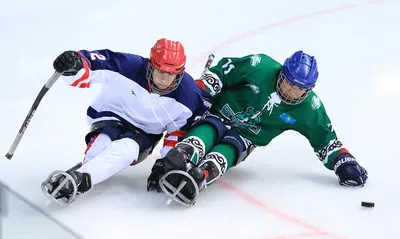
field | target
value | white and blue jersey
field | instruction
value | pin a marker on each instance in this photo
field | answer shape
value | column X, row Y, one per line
column 126, row 96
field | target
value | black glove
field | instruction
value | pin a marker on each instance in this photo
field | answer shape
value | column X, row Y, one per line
column 157, row 171
column 68, row 63
column 348, row 171
column 176, row 159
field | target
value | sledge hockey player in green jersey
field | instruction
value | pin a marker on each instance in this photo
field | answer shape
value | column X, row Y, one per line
column 254, row 99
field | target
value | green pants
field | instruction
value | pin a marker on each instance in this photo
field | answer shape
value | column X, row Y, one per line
column 204, row 138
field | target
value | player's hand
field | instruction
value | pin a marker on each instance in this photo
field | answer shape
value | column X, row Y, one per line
column 157, row 171
column 349, row 172
column 68, row 63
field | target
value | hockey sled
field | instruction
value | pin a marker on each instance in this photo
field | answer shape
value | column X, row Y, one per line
column 174, row 193
column 52, row 194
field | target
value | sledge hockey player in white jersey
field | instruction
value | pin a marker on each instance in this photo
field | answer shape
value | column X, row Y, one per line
column 141, row 99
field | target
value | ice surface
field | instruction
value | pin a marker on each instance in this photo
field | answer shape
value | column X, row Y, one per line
column 281, row 191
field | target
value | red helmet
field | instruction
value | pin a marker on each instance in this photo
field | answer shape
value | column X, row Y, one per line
column 169, row 57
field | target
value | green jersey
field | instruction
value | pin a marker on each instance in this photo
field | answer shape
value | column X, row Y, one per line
column 244, row 95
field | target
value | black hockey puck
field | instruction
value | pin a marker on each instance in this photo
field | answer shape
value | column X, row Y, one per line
column 367, row 204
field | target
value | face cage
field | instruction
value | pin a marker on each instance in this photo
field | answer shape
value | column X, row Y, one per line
column 153, row 86
column 281, row 92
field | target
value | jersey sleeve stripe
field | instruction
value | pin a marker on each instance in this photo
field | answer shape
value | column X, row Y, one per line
column 84, row 77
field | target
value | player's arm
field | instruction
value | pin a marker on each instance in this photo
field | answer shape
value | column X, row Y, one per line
column 330, row 150
column 83, row 68
column 229, row 71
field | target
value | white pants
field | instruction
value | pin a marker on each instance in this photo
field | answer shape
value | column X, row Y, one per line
column 105, row 158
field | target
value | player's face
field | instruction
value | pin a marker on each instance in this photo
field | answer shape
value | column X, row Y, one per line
column 162, row 79
column 291, row 91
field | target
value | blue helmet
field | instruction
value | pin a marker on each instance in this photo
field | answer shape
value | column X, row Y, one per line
column 301, row 70
column 297, row 78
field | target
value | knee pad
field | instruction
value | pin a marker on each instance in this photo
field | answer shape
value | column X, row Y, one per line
column 243, row 146
column 217, row 123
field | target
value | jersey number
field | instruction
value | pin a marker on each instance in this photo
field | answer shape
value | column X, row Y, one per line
column 97, row 56
column 228, row 65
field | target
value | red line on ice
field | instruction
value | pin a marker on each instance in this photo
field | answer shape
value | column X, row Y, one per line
column 286, row 217
column 202, row 57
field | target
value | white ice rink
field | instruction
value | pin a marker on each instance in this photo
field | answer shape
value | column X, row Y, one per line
column 281, row 191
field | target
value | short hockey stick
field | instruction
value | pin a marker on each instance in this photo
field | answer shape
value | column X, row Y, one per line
column 31, row 112
column 208, row 64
